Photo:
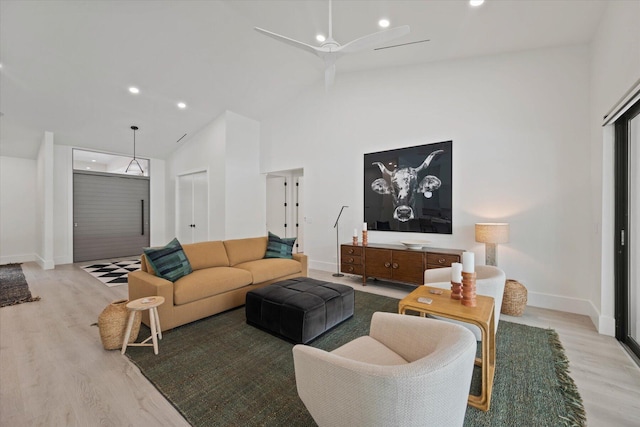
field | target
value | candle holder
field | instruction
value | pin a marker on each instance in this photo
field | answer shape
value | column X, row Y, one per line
column 456, row 290
column 365, row 241
column 355, row 241
column 468, row 289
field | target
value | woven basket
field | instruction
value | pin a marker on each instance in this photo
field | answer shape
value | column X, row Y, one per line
column 112, row 323
column 514, row 299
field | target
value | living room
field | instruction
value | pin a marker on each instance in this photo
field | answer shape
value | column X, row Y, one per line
column 528, row 149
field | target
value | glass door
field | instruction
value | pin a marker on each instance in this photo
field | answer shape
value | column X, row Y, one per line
column 628, row 229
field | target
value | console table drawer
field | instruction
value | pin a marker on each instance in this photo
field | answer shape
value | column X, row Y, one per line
column 351, row 268
column 350, row 251
column 351, row 259
column 436, row 260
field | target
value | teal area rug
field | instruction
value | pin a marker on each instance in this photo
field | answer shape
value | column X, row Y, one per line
column 222, row 372
column 13, row 286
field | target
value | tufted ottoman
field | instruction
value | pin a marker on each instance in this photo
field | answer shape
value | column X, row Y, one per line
column 299, row 309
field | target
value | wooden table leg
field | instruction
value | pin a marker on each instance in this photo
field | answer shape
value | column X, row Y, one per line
column 155, row 310
column 154, row 335
column 132, row 315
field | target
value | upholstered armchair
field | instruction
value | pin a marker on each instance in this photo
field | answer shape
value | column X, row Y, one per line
column 490, row 281
column 409, row 371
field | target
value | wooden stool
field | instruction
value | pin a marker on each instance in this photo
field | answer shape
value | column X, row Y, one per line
column 141, row 304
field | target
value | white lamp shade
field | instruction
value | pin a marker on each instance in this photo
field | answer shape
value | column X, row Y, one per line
column 492, row 232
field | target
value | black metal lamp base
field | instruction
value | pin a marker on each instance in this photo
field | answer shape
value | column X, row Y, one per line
column 337, row 275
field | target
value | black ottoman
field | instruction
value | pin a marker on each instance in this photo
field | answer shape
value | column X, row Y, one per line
column 299, row 309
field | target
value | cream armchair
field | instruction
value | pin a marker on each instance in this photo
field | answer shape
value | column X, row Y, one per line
column 409, row 371
column 489, row 282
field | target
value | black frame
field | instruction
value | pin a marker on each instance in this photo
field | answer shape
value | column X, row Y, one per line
column 621, row 225
column 427, row 207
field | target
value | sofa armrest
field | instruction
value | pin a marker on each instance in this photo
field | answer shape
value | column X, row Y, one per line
column 302, row 258
column 143, row 284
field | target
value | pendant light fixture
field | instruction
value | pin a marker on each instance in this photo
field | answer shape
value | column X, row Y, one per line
column 134, row 167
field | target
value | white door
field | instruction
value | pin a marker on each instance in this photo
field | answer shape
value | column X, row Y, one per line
column 192, row 221
column 276, row 209
column 299, row 213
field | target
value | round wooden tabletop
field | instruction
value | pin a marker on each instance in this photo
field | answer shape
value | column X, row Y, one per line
column 145, row 303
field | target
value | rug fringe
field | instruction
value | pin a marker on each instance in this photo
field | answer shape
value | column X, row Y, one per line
column 576, row 415
column 22, row 301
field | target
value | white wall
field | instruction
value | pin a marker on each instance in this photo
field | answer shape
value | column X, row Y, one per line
column 615, row 67
column 228, row 148
column 245, row 203
column 204, row 151
column 18, row 207
column 519, row 125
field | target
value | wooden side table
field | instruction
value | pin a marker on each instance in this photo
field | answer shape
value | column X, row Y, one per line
column 141, row 304
column 482, row 315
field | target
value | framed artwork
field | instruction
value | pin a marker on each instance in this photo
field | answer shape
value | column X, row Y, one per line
column 409, row 189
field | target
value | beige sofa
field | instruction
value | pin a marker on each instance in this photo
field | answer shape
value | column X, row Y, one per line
column 223, row 273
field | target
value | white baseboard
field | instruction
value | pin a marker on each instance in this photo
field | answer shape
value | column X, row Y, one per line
column 11, row 259
column 67, row 259
column 607, row 325
column 45, row 264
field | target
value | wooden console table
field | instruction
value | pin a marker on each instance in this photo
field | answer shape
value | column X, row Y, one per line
column 394, row 262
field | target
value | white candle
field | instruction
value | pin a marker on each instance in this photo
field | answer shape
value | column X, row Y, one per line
column 468, row 262
column 355, row 232
column 364, row 226
column 456, row 272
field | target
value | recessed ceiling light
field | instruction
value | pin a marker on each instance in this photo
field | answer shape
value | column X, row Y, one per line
column 182, row 105
column 320, row 38
column 384, row 23
column 88, row 168
column 134, row 89
column 476, row 2
column 93, row 160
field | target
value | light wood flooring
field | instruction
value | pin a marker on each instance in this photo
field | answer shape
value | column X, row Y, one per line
column 54, row 371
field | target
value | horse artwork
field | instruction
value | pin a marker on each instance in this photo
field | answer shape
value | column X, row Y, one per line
column 409, row 189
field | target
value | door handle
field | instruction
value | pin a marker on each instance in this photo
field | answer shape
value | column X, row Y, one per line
column 142, row 216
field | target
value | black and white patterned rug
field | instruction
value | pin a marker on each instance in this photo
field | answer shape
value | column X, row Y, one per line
column 113, row 273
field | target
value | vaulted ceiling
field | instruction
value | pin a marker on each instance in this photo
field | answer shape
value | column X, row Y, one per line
column 67, row 65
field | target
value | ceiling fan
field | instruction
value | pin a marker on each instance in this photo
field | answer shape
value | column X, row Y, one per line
column 330, row 50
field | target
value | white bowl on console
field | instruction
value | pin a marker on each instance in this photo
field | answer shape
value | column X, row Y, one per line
column 414, row 244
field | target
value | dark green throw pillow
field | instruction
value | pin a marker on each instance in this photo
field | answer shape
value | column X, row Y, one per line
column 278, row 247
column 169, row 262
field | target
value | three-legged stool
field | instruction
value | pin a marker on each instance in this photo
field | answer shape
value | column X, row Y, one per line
column 151, row 304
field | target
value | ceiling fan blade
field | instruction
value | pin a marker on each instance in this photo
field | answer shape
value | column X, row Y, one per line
column 287, row 40
column 375, row 39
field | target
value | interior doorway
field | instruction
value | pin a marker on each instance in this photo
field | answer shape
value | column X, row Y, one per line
column 285, row 207
column 110, row 215
column 627, row 228
column 192, row 207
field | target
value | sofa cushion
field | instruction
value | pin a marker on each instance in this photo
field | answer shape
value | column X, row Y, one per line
column 208, row 282
column 278, row 247
column 169, row 262
column 243, row 250
column 206, row 254
column 269, row 269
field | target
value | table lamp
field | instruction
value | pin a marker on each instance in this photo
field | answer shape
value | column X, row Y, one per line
column 491, row 233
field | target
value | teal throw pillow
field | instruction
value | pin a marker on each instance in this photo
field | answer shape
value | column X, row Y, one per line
column 170, row 262
column 278, row 247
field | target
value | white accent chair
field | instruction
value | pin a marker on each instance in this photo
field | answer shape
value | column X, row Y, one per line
column 409, row 371
column 490, row 282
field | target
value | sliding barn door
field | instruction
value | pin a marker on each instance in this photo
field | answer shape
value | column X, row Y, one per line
column 110, row 216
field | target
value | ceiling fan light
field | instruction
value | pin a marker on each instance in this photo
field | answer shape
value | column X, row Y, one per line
column 383, row 23
column 320, row 38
